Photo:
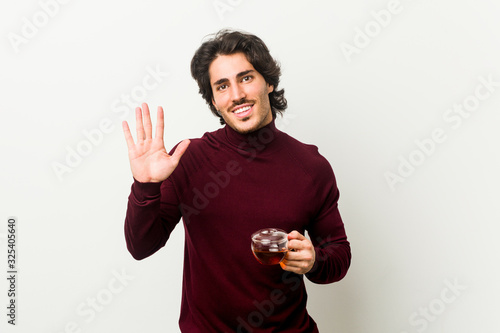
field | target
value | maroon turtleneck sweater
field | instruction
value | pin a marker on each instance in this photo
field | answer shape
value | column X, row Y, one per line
column 227, row 186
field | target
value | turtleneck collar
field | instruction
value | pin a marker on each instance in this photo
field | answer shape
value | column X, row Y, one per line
column 259, row 140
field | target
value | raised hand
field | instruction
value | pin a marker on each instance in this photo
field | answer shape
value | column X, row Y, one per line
column 149, row 161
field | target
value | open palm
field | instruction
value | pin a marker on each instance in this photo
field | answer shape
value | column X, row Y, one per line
column 149, row 160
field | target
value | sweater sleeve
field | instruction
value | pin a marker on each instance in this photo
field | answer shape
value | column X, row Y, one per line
column 152, row 214
column 327, row 233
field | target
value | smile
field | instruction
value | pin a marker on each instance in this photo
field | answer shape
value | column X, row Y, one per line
column 243, row 111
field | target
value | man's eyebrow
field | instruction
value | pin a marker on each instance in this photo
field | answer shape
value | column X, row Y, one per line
column 241, row 74
column 216, row 83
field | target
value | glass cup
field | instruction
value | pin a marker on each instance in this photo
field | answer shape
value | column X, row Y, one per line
column 270, row 245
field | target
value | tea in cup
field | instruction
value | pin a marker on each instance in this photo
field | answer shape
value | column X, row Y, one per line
column 270, row 245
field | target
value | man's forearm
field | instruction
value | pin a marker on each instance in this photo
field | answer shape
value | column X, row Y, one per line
column 332, row 262
column 145, row 232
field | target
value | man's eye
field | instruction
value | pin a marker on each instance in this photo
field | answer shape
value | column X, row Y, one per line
column 246, row 78
column 221, row 87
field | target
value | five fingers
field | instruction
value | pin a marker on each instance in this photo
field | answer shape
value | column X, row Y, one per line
column 143, row 124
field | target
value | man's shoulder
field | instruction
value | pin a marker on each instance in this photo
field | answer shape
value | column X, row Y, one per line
column 306, row 154
column 297, row 146
column 208, row 138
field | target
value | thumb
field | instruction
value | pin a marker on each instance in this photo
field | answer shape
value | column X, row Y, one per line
column 180, row 149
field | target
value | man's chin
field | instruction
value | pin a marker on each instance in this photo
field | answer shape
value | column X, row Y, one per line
column 248, row 125
column 243, row 126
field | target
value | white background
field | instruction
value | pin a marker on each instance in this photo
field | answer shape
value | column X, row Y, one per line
column 425, row 249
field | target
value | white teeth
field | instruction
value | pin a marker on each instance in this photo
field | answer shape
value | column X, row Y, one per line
column 243, row 109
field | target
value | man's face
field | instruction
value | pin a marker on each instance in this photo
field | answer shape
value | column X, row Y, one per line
column 240, row 93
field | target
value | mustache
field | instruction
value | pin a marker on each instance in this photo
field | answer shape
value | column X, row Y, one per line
column 240, row 102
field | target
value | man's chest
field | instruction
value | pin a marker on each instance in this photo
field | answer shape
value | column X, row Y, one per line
column 243, row 197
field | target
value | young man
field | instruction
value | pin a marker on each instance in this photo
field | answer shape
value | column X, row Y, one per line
column 230, row 183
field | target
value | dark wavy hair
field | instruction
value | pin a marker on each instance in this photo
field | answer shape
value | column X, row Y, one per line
column 227, row 42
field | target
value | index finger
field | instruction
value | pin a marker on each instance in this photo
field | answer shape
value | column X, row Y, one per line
column 296, row 235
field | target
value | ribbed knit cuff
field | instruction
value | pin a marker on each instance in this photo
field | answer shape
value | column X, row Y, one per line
column 146, row 191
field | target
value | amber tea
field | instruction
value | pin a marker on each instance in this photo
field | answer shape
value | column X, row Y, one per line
column 270, row 245
column 269, row 257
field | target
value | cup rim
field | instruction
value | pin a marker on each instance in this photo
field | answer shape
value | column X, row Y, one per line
column 278, row 230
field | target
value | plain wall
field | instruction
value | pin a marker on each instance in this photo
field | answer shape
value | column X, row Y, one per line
column 402, row 97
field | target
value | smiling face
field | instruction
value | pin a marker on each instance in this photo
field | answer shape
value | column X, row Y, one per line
column 240, row 93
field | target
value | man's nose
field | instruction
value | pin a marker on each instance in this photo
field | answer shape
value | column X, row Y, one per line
column 237, row 93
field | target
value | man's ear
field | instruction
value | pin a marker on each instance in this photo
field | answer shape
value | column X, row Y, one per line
column 270, row 88
column 215, row 106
